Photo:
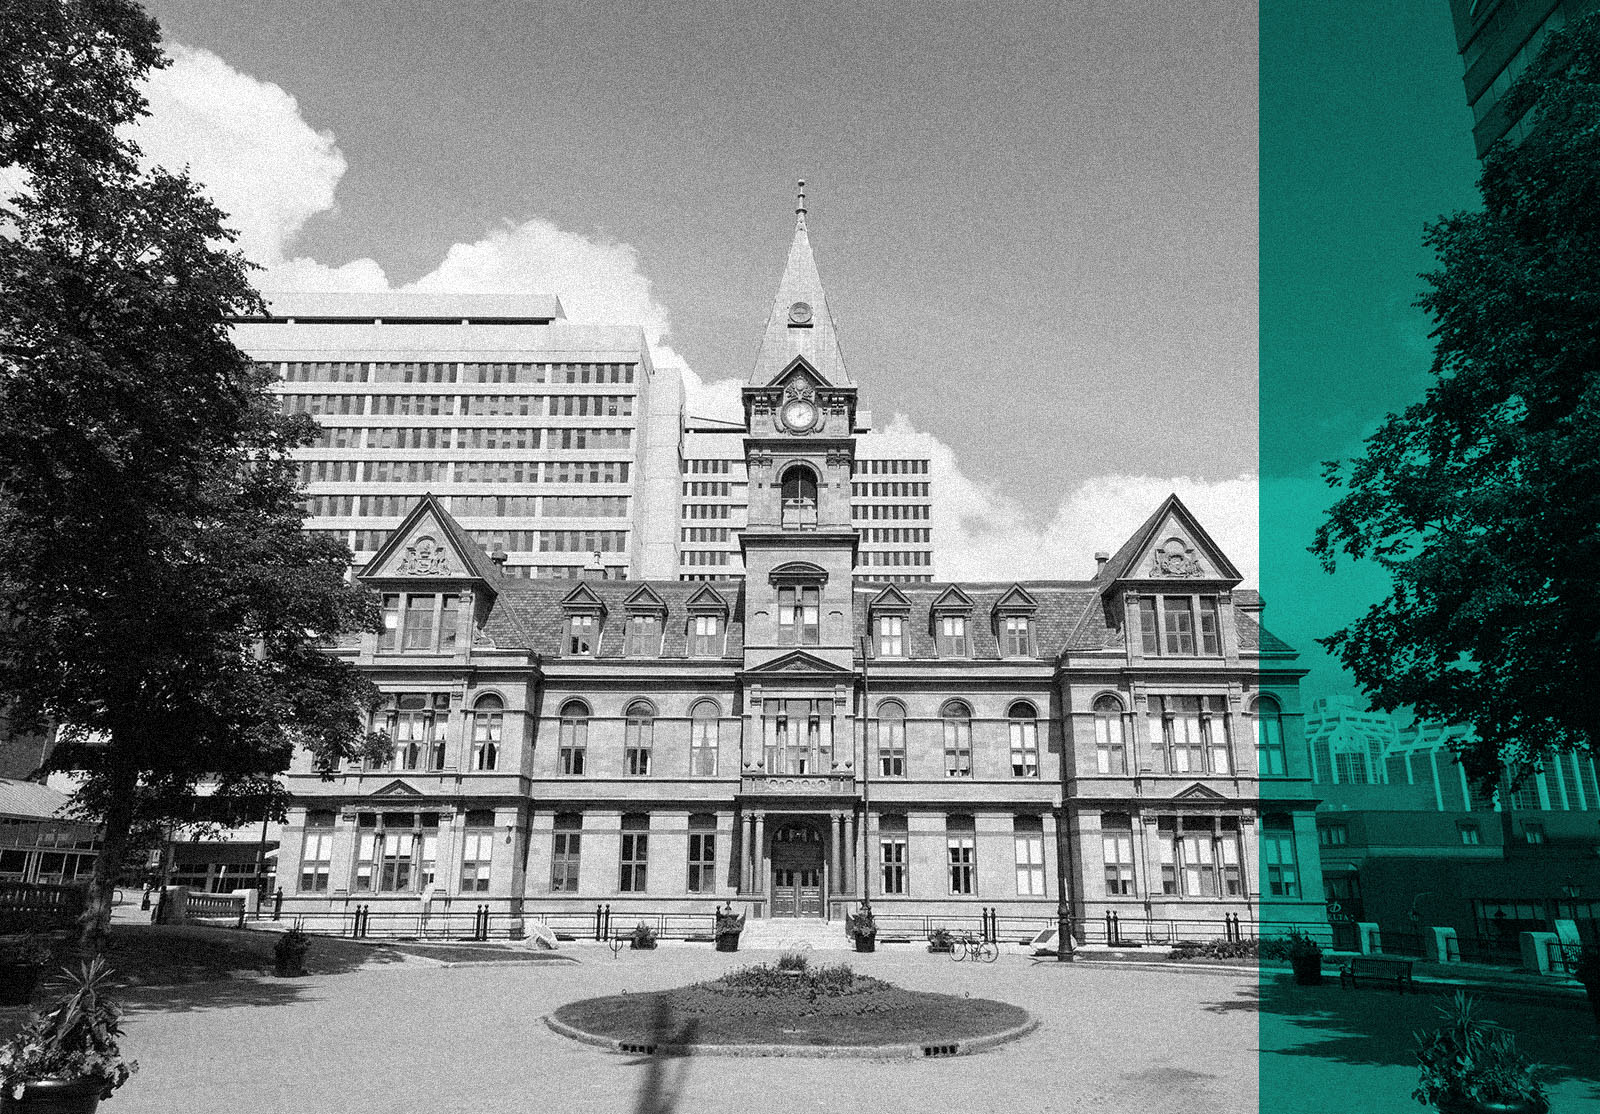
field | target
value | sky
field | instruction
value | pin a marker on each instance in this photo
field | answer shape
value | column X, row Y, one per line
column 1039, row 224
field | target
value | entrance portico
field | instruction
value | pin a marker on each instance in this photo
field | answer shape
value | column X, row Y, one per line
column 797, row 859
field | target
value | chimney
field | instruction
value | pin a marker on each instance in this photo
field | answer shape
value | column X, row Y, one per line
column 594, row 570
column 1100, row 560
column 499, row 558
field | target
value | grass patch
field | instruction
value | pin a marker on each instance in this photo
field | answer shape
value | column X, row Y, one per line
column 821, row 1007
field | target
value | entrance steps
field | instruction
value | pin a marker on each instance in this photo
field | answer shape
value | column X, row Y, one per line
column 795, row 934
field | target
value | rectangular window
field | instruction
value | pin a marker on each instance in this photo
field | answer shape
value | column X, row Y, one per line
column 1533, row 831
column 581, row 635
column 637, row 738
column 962, row 850
column 891, row 744
column 1029, row 838
column 477, row 852
column 1149, row 626
column 1024, row 748
column 644, row 636
column 1116, row 837
column 574, row 740
column 892, row 853
column 1333, row 835
column 1015, row 644
column 891, row 636
column 702, row 860
column 565, row 854
column 1470, row 836
column 1181, row 725
column 1270, row 754
column 1278, row 858
column 389, row 637
column 953, row 636
column 705, row 639
column 1179, row 625
column 419, row 626
column 316, row 854
column 957, row 747
column 1200, row 856
column 1210, row 627
column 635, row 854
column 1110, row 748
column 488, row 723
column 703, row 729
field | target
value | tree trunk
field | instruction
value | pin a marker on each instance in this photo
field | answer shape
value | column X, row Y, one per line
column 95, row 924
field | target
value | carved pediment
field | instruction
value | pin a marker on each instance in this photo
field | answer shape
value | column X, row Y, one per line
column 582, row 598
column 429, row 545
column 953, row 599
column 707, row 599
column 1198, row 792
column 1171, row 545
column 645, row 600
column 798, row 661
column 397, row 788
column 890, row 599
column 1016, row 599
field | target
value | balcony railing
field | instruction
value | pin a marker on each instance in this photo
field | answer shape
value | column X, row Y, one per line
column 836, row 783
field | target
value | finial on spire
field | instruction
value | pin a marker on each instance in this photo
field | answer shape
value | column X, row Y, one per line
column 800, row 206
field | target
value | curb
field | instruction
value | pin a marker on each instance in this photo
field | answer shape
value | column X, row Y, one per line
column 965, row 1047
column 554, row 959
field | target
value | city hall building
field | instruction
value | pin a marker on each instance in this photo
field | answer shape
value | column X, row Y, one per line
column 800, row 726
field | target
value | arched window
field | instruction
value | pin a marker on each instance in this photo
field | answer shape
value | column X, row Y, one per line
column 1270, row 757
column 1024, row 739
column 957, row 739
column 1110, row 740
column 892, row 739
column 574, row 737
column 638, row 735
column 488, row 718
column 704, row 719
column 799, row 492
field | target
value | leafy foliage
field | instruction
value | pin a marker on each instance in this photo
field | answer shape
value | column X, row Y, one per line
column 160, row 600
column 1481, row 499
column 75, row 1040
column 792, row 977
column 940, row 940
column 1214, row 949
column 862, row 922
column 1467, row 1058
column 642, row 938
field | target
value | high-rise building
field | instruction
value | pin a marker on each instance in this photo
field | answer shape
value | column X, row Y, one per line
column 1498, row 40
column 553, row 443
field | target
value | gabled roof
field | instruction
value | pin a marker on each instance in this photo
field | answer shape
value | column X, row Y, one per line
column 1123, row 564
column 475, row 564
column 706, row 599
column 890, row 599
column 644, row 600
column 582, row 598
column 953, row 599
column 1197, row 792
column 1016, row 598
column 807, row 331
column 30, row 800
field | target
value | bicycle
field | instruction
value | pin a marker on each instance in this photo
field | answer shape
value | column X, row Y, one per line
column 966, row 944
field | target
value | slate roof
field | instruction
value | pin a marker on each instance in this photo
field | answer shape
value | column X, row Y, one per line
column 1063, row 607
column 818, row 343
column 30, row 800
column 529, row 613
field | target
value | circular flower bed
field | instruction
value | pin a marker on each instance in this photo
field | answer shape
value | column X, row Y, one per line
column 791, row 1005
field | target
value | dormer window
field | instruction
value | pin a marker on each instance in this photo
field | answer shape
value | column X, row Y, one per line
column 705, row 636
column 799, row 496
column 1015, row 640
column 583, row 635
column 891, row 636
column 419, row 622
column 1180, row 626
column 644, row 636
column 953, row 636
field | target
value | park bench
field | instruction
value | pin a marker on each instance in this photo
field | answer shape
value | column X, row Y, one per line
column 1377, row 966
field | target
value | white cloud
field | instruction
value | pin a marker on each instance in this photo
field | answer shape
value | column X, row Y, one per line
column 246, row 141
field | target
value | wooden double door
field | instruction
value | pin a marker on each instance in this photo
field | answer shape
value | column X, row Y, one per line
column 797, row 881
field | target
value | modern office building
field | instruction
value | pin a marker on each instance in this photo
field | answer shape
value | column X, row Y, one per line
column 803, row 735
column 39, row 841
column 1498, row 40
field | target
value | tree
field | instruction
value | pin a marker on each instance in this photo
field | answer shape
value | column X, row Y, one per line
column 161, row 602
column 1483, row 499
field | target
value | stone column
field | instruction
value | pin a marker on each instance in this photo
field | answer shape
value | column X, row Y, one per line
column 836, row 850
column 850, row 870
column 759, row 882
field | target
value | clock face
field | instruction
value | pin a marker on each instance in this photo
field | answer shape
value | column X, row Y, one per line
column 799, row 415
column 800, row 313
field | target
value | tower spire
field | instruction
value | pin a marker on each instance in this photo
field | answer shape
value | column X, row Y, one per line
column 800, row 207
column 800, row 323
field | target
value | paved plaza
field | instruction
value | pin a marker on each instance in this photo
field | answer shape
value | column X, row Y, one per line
column 421, row 1037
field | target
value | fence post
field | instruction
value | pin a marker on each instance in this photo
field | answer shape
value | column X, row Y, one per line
column 607, row 929
column 277, row 904
column 597, row 922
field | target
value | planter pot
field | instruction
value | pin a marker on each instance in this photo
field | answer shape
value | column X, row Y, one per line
column 728, row 942
column 639, row 945
column 1307, row 969
column 17, row 983
column 867, row 943
column 55, row 1096
column 289, row 968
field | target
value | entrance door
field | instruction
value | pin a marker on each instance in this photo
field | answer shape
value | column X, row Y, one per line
column 796, row 893
column 797, row 871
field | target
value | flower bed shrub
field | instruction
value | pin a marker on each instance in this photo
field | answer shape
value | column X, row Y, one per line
column 1216, row 949
column 779, row 981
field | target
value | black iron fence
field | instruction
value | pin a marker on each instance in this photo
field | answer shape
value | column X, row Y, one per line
column 38, row 907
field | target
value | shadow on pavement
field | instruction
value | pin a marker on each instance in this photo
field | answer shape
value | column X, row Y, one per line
column 1378, row 1027
column 222, row 994
column 1248, row 1000
column 665, row 1072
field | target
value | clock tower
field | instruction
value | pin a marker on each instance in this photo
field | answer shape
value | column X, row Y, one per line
column 800, row 413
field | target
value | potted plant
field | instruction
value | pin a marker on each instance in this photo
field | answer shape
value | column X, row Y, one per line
column 22, row 963
column 1305, row 956
column 1587, row 971
column 643, row 937
column 864, row 928
column 940, row 940
column 67, row 1060
column 289, row 953
column 1473, row 1067
column 729, row 925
